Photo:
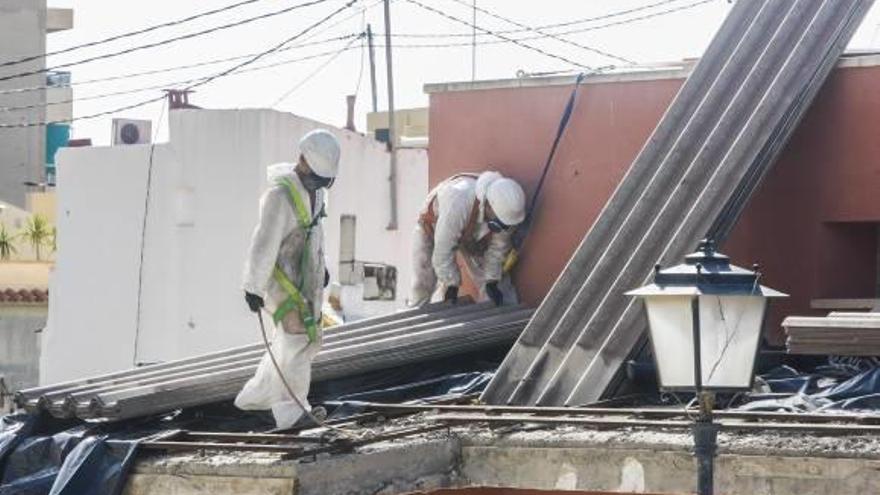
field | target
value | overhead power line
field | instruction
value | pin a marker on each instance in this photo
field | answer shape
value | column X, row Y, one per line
column 539, row 31
column 274, row 48
column 353, row 35
column 173, row 84
column 510, row 40
column 396, row 45
column 208, row 62
column 583, row 20
column 172, row 68
column 609, row 15
column 203, row 82
column 312, row 74
column 357, row 86
column 84, row 117
column 165, row 41
column 561, row 33
column 129, row 34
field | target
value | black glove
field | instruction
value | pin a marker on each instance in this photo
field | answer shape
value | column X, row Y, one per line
column 326, row 278
column 494, row 293
column 451, row 294
column 253, row 301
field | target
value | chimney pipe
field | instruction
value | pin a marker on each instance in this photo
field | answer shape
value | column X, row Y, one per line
column 350, row 101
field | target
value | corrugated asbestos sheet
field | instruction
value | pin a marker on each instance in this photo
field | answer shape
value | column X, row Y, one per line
column 411, row 336
column 716, row 141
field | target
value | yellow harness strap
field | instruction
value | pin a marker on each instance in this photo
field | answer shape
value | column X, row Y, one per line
column 295, row 300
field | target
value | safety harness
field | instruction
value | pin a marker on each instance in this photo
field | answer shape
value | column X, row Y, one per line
column 468, row 243
column 295, row 300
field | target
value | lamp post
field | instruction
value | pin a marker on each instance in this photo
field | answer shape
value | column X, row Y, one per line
column 704, row 321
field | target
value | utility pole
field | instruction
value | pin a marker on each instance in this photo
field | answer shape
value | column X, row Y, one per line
column 474, row 44
column 372, row 67
column 392, row 148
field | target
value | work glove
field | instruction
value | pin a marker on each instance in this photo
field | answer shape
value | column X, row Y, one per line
column 326, row 278
column 253, row 301
column 451, row 294
column 494, row 293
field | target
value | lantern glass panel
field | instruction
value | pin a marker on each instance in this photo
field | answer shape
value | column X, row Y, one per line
column 730, row 329
column 670, row 320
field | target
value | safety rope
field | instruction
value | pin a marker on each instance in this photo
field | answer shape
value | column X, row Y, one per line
column 287, row 386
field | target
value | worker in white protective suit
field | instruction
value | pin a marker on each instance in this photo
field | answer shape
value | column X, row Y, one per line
column 285, row 272
column 474, row 216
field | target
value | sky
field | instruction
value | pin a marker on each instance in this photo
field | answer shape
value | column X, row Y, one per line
column 316, row 87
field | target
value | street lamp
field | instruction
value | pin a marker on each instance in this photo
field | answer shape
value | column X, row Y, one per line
column 704, row 320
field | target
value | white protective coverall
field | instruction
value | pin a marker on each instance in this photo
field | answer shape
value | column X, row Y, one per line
column 279, row 240
column 456, row 209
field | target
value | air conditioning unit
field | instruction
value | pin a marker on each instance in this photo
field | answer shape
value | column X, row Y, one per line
column 128, row 131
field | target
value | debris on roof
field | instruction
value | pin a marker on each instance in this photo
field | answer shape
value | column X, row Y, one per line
column 721, row 134
column 415, row 335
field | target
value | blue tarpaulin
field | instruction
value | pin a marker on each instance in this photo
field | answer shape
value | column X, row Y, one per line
column 13, row 429
column 42, row 456
column 72, row 461
column 828, row 388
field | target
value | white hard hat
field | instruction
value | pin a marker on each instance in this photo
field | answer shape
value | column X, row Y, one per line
column 507, row 200
column 321, row 151
column 483, row 182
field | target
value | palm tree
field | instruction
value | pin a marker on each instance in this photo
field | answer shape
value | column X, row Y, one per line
column 53, row 239
column 7, row 243
column 37, row 233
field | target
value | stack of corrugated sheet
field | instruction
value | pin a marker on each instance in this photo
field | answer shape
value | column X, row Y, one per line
column 691, row 180
column 839, row 334
column 411, row 336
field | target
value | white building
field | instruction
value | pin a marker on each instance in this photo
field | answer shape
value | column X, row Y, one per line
column 23, row 150
column 123, row 294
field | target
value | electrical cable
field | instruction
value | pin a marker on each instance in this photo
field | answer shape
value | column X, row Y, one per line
column 511, row 40
column 164, row 42
column 560, row 131
column 342, row 20
column 137, row 105
column 340, row 38
column 402, row 45
column 137, row 325
column 209, row 62
column 171, row 68
column 542, row 27
column 169, row 84
column 550, row 35
column 206, row 80
column 311, row 75
column 129, row 34
column 561, row 33
column 83, row 117
column 306, row 411
column 357, row 86
column 277, row 47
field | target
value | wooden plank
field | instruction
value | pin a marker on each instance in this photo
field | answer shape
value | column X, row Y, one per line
column 823, row 322
column 834, row 342
column 845, row 304
column 854, row 350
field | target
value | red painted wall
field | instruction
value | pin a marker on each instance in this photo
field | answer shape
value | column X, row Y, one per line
column 807, row 225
